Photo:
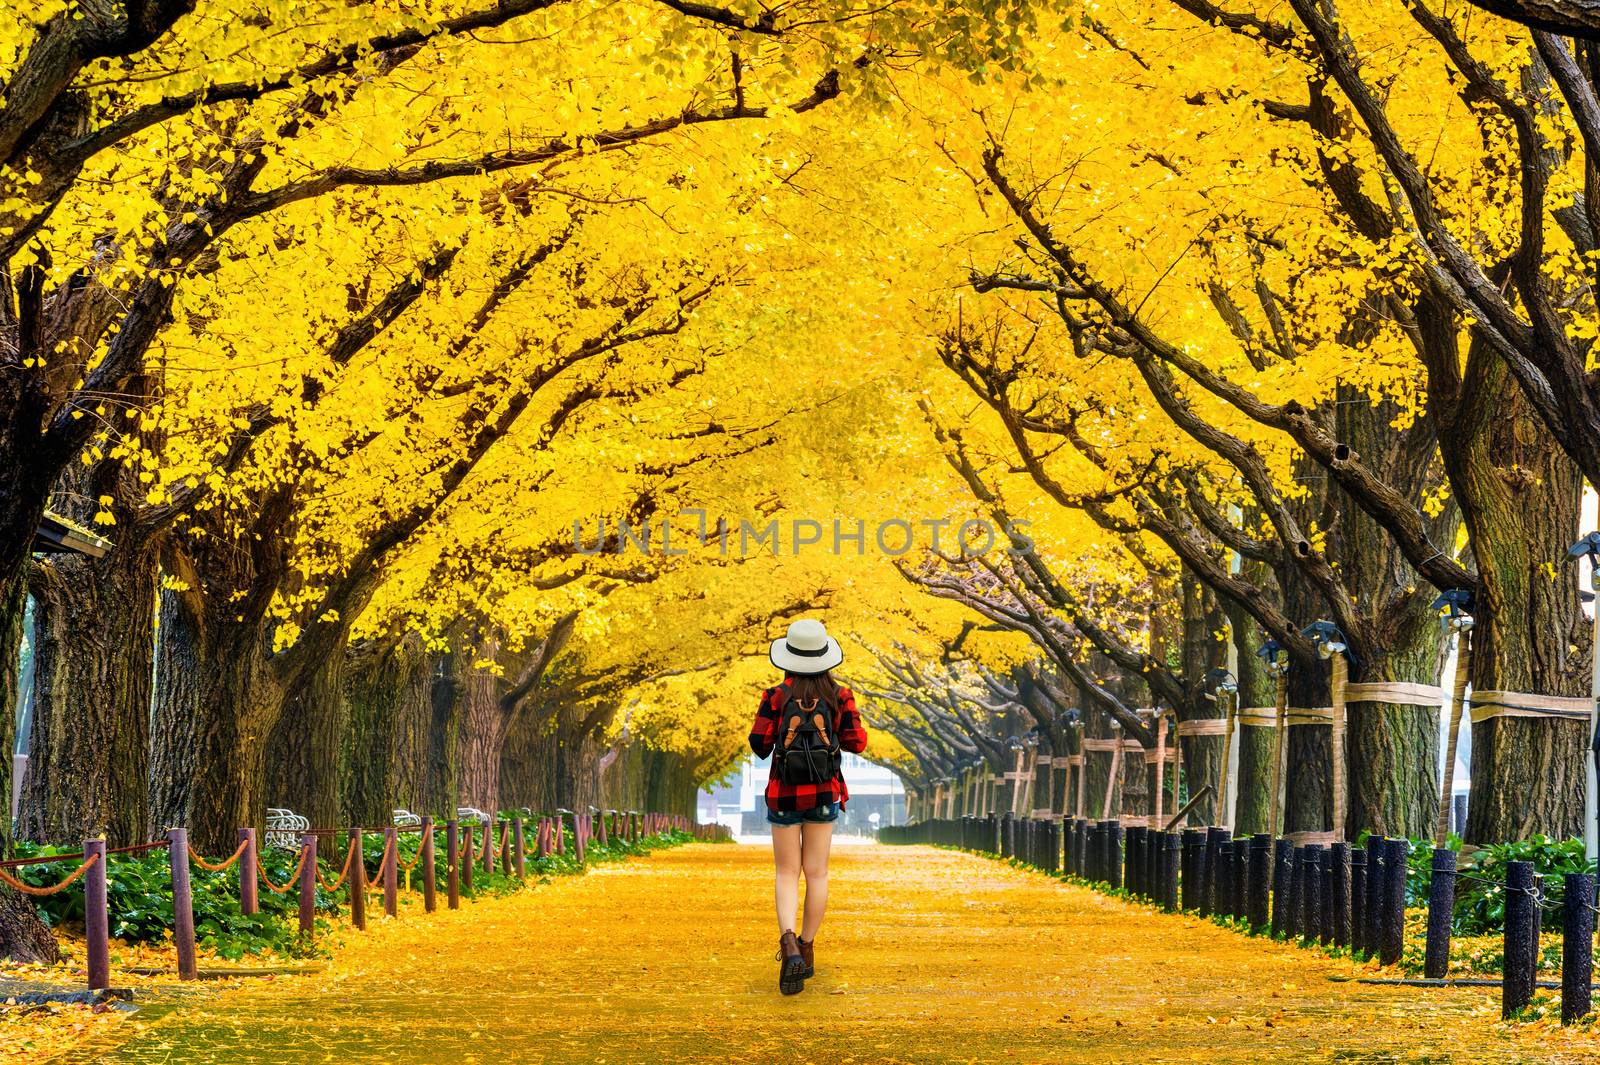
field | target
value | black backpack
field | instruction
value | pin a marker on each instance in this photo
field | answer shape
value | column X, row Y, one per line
column 807, row 748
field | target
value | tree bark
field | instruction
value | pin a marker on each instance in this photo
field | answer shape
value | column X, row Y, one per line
column 385, row 762
column 1521, row 495
column 304, row 750
column 23, row 936
column 88, row 761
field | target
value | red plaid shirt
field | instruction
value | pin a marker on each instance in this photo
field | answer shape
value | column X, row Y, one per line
column 791, row 798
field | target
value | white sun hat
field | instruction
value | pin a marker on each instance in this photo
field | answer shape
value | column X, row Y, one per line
column 807, row 648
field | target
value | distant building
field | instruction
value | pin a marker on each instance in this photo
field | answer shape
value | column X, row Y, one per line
column 740, row 804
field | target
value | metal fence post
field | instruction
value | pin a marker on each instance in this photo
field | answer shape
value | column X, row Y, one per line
column 430, row 875
column 358, row 880
column 308, row 884
column 96, row 917
column 248, row 889
column 452, row 864
column 182, row 902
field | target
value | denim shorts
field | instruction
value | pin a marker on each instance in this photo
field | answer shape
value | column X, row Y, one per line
column 817, row 815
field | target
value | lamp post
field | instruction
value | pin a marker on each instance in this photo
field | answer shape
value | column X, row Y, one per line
column 1277, row 659
column 1454, row 607
column 1331, row 646
column 1589, row 547
column 1225, row 685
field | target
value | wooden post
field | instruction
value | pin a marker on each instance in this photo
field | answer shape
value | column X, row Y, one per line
column 358, row 881
column 469, row 858
column 1274, row 800
column 544, row 837
column 1458, row 698
column 182, row 902
column 1340, row 670
column 452, row 865
column 1111, row 777
column 580, row 835
column 518, row 848
column 308, row 885
column 391, row 871
column 488, row 847
column 248, row 887
column 96, row 917
column 1219, row 811
column 430, row 887
column 1161, row 772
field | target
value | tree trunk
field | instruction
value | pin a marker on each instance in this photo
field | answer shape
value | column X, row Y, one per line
column 1256, row 689
column 1521, row 496
column 303, row 752
column 88, row 762
column 23, row 936
column 388, row 692
column 483, row 731
column 443, row 791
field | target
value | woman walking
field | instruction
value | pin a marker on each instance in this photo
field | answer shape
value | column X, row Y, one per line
column 804, row 723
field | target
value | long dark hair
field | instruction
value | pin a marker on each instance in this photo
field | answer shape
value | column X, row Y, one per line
column 809, row 686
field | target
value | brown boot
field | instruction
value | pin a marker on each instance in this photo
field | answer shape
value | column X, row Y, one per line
column 808, row 951
column 791, row 971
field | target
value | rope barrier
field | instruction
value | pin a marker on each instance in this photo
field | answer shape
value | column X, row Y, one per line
column 293, row 876
column 202, row 863
column 46, row 859
column 415, row 858
column 376, row 883
column 40, row 892
column 350, row 853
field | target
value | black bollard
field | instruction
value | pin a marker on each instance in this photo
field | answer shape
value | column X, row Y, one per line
column 1260, row 877
column 1325, row 881
column 1241, row 880
column 1297, row 896
column 1311, row 927
column 1516, row 982
column 1282, row 881
column 1135, row 870
column 1358, row 901
column 1171, row 858
column 1194, row 848
column 1222, row 878
column 1377, row 860
column 1153, row 849
column 1080, row 836
column 1339, row 855
column 1577, row 946
column 1441, row 907
column 1054, row 856
column 1114, row 833
column 1212, row 872
column 1394, row 900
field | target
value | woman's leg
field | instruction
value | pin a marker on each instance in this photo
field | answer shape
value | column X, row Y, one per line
column 817, row 838
column 786, row 856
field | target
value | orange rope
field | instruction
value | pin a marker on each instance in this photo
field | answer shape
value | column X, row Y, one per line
column 349, row 853
column 38, row 892
column 377, row 882
column 274, row 888
column 202, row 863
column 412, row 864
